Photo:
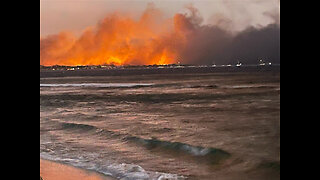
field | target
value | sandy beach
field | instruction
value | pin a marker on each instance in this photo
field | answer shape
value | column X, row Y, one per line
column 52, row 171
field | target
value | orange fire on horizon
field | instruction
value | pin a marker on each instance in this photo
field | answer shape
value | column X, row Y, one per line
column 119, row 40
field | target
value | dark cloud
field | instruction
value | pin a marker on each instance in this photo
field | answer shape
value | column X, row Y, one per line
column 213, row 44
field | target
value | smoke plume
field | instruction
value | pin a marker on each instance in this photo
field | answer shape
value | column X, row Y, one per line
column 154, row 39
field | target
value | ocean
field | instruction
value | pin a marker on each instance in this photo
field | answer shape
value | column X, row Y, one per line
column 222, row 126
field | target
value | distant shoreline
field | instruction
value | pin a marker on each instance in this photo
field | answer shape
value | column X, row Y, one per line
column 45, row 73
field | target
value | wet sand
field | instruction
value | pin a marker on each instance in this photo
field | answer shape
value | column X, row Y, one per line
column 53, row 171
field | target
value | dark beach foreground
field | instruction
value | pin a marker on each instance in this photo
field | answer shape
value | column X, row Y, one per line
column 55, row 171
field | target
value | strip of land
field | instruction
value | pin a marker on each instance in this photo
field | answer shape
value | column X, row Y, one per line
column 44, row 73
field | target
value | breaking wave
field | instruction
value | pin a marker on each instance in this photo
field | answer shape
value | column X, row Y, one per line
column 214, row 155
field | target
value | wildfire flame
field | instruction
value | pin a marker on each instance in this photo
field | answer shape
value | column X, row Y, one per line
column 119, row 40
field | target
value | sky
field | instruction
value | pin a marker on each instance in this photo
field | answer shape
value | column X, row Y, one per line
column 77, row 15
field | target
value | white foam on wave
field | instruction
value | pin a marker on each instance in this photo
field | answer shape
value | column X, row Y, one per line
column 105, row 85
column 135, row 172
column 196, row 151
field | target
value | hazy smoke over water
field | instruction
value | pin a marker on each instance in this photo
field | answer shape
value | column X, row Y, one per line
column 155, row 39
